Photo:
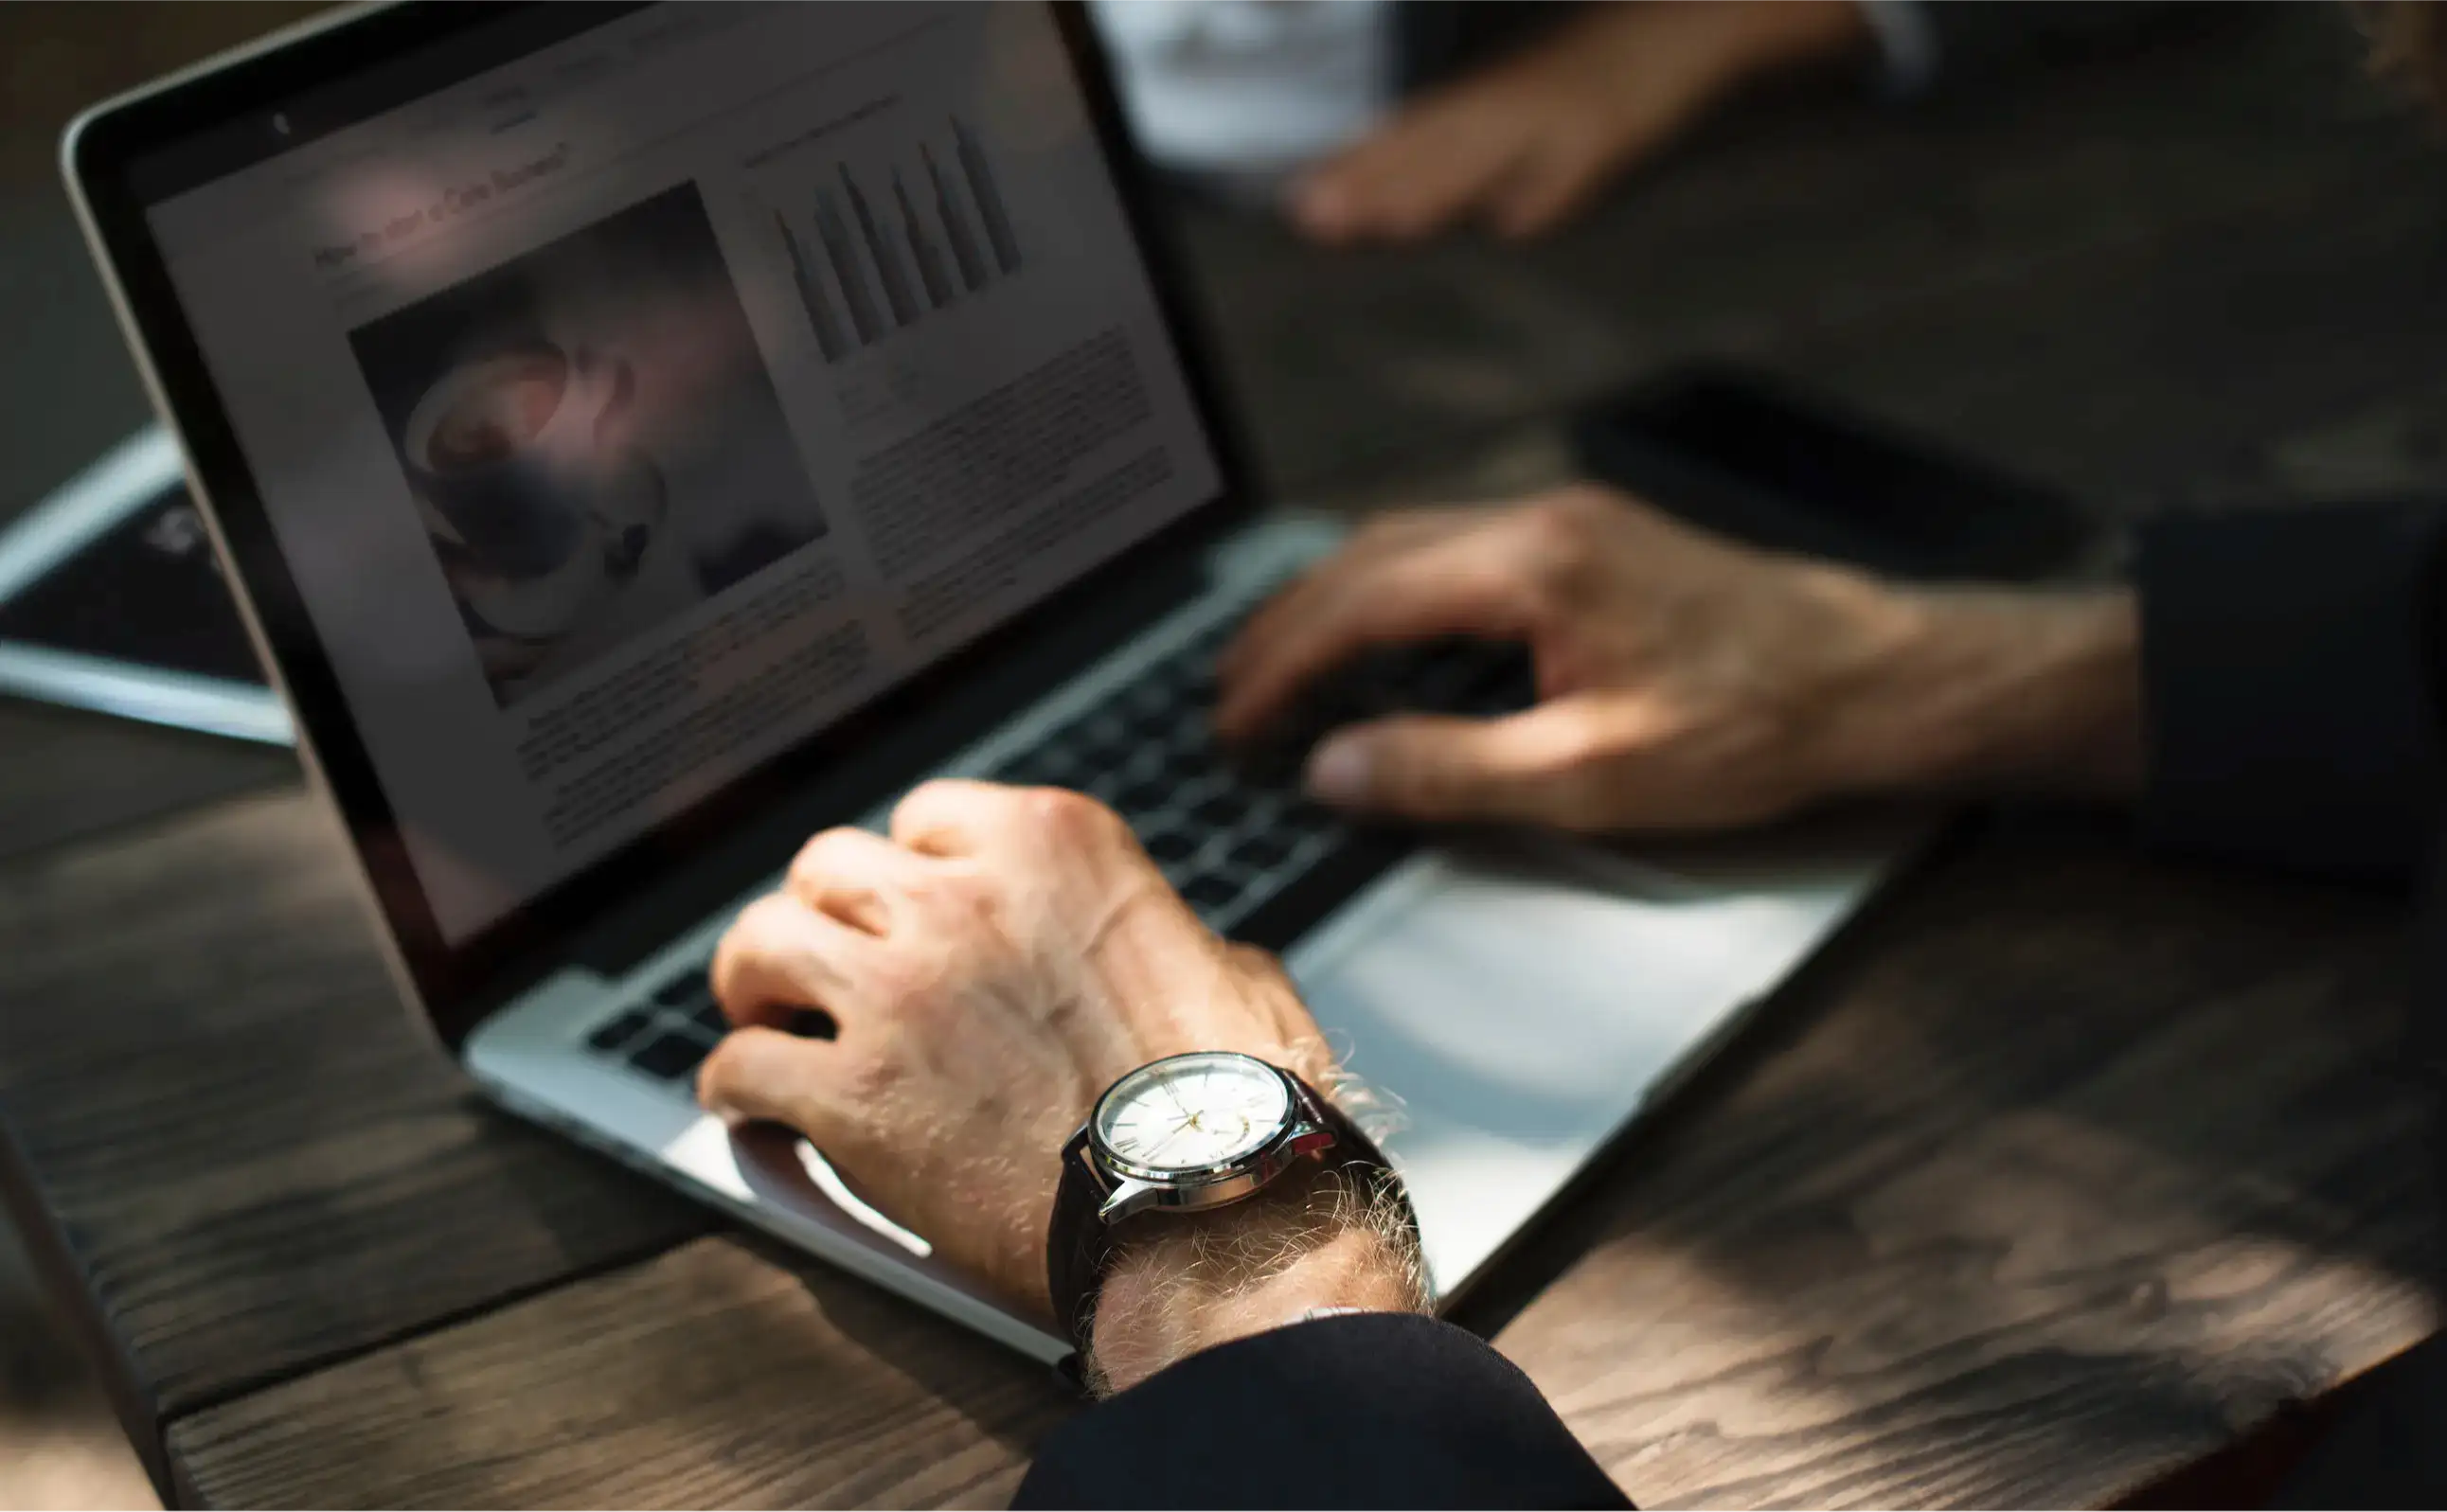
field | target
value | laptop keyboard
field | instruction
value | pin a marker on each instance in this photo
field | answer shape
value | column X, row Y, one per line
column 1226, row 840
column 668, row 1035
column 1253, row 859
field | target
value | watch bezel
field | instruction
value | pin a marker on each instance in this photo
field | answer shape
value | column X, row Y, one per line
column 1258, row 1166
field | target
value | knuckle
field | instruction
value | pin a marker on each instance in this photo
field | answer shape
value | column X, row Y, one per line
column 721, row 1064
column 1561, row 537
column 927, row 794
column 1258, row 961
column 967, row 892
column 1069, row 817
column 1573, row 762
column 1562, row 526
column 743, row 944
column 950, row 902
column 752, row 926
column 816, row 857
column 1575, row 745
column 723, row 976
column 1584, row 773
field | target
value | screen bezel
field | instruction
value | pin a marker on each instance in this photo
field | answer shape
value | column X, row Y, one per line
column 459, row 983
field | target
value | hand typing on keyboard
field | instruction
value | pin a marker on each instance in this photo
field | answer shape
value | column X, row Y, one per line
column 991, row 968
column 1683, row 682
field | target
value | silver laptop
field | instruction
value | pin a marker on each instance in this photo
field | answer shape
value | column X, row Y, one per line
column 643, row 438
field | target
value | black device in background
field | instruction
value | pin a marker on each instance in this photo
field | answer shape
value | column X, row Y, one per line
column 1753, row 458
column 143, row 592
column 110, row 600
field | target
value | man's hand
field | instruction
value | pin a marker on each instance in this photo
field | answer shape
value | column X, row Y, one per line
column 1686, row 682
column 1528, row 141
column 993, row 966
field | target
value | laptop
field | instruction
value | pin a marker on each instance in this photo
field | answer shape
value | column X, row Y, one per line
column 641, row 437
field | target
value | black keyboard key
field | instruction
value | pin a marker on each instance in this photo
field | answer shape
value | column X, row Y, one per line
column 812, row 1023
column 1453, row 676
column 1170, row 846
column 1261, row 851
column 1043, row 767
column 1146, row 796
column 684, row 989
column 1098, row 739
column 1266, row 762
column 1153, row 726
column 1189, row 680
column 1445, row 672
column 708, row 1017
column 668, row 1057
column 1209, row 891
column 617, row 1031
column 1302, row 818
column 1221, row 810
column 1504, row 682
column 1193, row 755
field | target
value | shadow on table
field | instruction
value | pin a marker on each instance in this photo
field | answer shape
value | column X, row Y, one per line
column 2056, row 1155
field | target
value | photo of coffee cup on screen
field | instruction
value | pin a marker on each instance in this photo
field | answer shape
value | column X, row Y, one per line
column 590, row 439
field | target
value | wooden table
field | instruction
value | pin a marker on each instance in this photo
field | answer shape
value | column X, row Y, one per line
column 2062, row 1169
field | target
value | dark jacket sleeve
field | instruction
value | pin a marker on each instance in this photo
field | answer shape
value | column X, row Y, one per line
column 2289, row 665
column 1372, row 1409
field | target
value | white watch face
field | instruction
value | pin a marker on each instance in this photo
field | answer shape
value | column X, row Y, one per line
column 1191, row 1113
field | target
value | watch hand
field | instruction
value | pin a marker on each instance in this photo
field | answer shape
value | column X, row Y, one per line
column 1162, row 1145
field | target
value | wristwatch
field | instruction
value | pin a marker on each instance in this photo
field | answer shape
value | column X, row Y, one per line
column 1183, row 1134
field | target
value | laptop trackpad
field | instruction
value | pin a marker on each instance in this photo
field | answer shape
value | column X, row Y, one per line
column 1518, row 1003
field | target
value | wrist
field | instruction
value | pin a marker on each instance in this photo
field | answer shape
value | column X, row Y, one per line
column 1179, row 1283
column 1993, row 691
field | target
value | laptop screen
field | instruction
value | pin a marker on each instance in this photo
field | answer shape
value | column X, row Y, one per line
column 631, row 406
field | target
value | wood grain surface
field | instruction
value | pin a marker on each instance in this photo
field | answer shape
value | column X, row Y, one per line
column 70, row 774
column 721, row 1374
column 2069, row 1169
column 249, row 1157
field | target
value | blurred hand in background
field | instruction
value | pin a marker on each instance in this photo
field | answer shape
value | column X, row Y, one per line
column 1687, row 682
column 1523, row 144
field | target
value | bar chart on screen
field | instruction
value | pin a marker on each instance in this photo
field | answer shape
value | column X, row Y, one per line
column 880, row 244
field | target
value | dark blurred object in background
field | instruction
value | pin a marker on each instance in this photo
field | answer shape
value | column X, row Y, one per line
column 66, row 392
column 56, row 59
